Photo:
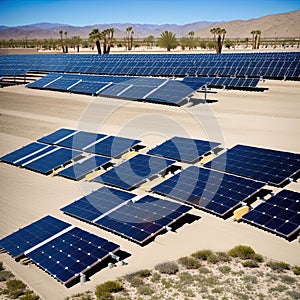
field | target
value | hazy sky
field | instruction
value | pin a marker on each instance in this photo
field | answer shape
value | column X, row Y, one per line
column 89, row 12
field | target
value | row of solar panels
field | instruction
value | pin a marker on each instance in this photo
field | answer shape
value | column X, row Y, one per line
column 267, row 65
column 155, row 90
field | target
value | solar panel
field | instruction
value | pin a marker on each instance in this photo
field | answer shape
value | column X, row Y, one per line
column 54, row 137
column 52, row 160
column 62, row 84
column 270, row 166
column 72, row 253
column 87, row 87
column 183, row 149
column 210, row 190
column 25, row 238
column 39, row 84
column 112, row 146
column 134, row 171
column 23, row 152
column 81, row 140
column 280, row 214
column 81, row 168
column 142, row 219
column 99, row 202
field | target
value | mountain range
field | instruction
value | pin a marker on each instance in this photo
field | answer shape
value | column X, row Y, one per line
column 279, row 25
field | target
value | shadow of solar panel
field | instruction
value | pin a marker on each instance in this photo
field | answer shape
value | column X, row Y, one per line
column 25, row 238
column 81, row 139
column 24, row 152
column 112, row 146
column 71, row 253
column 183, row 149
column 54, row 137
column 280, row 214
column 210, row 190
column 143, row 219
column 97, row 203
column 270, row 166
column 134, row 171
column 81, row 168
column 52, row 160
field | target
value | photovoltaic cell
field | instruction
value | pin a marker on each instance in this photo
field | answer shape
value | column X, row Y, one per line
column 25, row 238
column 54, row 137
column 183, row 149
column 134, row 171
column 97, row 203
column 71, row 253
column 112, row 146
column 280, row 214
column 210, row 190
column 81, row 168
column 266, row 165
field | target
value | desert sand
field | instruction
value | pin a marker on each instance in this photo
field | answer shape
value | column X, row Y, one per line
column 270, row 119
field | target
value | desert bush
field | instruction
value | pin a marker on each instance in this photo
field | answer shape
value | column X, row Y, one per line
column 294, row 294
column 250, row 279
column 257, row 257
column 104, row 290
column 250, row 263
column 1, row 266
column 213, row 259
column 135, row 281
column 278, row 288
column 167, row 268
column 5, row 275
column 166, row 283
column 186, row 278
column 223, row 257
column 29, row 295
column 278, row 266
column 204, row 270
column 224, row 269
column 241, row 251
column 202, row 254
column 189, row 262
column 155, row 277
column 287, row 279
column 296, row 270
column 15, row 288
column 145, row 290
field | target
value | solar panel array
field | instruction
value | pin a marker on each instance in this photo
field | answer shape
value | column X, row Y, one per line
column 126, row 87
column 277, row 65
column 122, row 213
column 266, row 165
column 183, row 149
column 280, row 214
column 134, row 171
column 62, row 250
column 210, row 190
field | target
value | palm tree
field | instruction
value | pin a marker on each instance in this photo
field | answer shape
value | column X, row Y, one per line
column 255, row 38
column 62, row 41
column 110, row 38
column 104, row 34
column 167, row 40
column 219, row 36
column 258, row 32
column 253, row 32
column 129, row 36
column 76, row 41
column 191, row 41
column 96, row 36
column 66, row 37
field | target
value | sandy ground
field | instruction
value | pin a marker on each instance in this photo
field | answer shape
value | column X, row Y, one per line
column 270, row 119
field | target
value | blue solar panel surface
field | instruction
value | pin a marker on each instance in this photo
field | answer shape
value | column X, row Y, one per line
column 208, row 189
column 280, row 214
column 183, row 149
column 71, row 253
column 112, row 146
column 54, row 137
column 270, row 166
column 25, row 238
column 134, row 171
column 81, row 139
column 143, row 219
column 52, row 160
column 23, row 152
column 83, row 167
column 97, row 203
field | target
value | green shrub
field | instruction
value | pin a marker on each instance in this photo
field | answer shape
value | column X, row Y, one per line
column 213, row 259
column 217, row 290
column 241, row 251
column 287, row 279
column 143, row 273
column 250, row 279
column 223, row 257
column 166, row 283
column 250, row 263
column 135, row 281
column 189, row 262
column 278, row 288
column 294, row 294
column 5, row 275
column 296, row 270
column 257, row 257
column 202, row 254
column 145, row 290
column 15, row 285
column 167, row 268
column 204, row 270
column 104, row 290
column 1, row 266
column 155, row 277
column 186, row 278
column 278, row 266
column 29, row 295
column 224, row 269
